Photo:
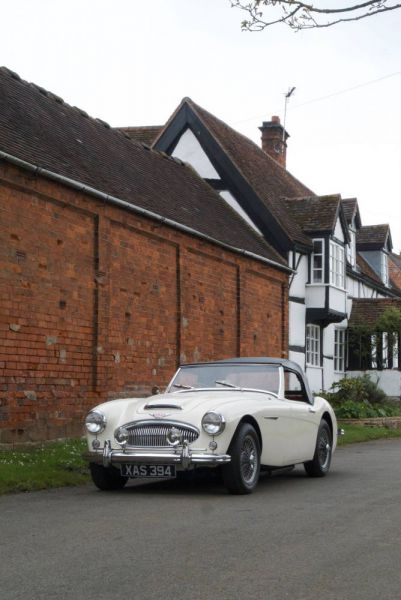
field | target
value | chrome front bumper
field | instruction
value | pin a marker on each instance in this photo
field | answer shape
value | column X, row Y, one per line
column 181, row 455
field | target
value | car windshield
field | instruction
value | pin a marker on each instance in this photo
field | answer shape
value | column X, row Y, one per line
column 261, row 377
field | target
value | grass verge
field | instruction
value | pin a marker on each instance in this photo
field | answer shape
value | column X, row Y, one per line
column 60, row 463
column 41, row 467
column 362, row 433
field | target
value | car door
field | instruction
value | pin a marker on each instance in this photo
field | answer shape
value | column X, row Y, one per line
column 302, row 419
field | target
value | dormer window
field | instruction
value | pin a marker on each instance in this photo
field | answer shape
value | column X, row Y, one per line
column 318, row 261
column 337, row 265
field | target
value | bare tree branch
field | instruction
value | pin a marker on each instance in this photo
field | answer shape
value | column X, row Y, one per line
column 302, row 15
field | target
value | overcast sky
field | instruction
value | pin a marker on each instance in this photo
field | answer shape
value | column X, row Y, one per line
column 130, row 62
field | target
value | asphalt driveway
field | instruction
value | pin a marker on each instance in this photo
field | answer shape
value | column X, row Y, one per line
column 295, row 537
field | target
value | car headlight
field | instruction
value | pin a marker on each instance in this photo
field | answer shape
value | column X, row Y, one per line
column 95, row 421
column 213, row 423
column 122, row 435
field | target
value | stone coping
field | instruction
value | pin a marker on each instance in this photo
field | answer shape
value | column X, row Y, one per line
column 389, row 422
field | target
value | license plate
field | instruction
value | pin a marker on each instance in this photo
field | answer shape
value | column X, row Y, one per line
column 147, row 471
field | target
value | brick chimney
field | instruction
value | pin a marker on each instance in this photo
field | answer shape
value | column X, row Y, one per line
column 274, row 140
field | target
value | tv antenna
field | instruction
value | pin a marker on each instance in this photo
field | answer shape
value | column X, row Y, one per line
column 287, row 97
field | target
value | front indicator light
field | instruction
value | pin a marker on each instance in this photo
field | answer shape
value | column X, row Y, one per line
column 122, row 435
column 174, row 437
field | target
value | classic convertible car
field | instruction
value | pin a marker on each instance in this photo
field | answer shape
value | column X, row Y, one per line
column 239, row 415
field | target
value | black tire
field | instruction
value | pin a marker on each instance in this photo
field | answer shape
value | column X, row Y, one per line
column 320, row 464
column 241, row 475
column 106, row 479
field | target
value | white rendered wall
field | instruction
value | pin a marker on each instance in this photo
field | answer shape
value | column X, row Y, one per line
column 229, row 198
column 388, row 380
column 314, row 375
column 298, row 357
column 338, row 231
column 328, row 356
column 357, row 289
column 296, row 324
column 189, row 150
column 297, row 310
column 297, row 287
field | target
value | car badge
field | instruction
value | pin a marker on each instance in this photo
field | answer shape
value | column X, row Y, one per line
column 160, row 415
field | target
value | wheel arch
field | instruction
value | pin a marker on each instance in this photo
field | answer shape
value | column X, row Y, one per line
column 327, row 417
column 252, row 421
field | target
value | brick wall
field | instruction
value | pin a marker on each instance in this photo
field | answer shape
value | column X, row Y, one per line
column 394, row 271
column 96, row 302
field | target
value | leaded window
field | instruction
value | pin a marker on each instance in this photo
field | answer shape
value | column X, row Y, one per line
column 318, row 261
column 339, row 349
column 313, row 343
column 337, row 265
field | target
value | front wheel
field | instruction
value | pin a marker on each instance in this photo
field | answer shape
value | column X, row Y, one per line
column 320, row 464
column 106, row 479
column 240, row 476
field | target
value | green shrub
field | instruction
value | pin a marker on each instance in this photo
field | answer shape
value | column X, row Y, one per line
column 357, row 389
column 363, row 410
column 360, row 398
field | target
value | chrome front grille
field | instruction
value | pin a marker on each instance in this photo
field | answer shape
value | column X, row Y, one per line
column 153, row 434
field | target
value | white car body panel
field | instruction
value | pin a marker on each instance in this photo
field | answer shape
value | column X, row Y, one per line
column 288, row 428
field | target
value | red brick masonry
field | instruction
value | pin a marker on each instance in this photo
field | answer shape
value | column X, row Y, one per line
column 96, row 302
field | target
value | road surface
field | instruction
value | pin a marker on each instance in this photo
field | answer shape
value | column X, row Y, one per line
column 298, row 538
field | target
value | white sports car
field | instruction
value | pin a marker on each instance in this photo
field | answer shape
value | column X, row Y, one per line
column 241, row 415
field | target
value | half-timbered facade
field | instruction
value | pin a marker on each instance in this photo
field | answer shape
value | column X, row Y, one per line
column 321, row 237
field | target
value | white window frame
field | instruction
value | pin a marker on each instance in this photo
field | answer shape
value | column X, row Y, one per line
column 317, row 273
column 384, row 268
column 313, row 345
column 340, row 349
column 385, row 349
column 373, row 351
column 351, row 248
column 395, row 350
column 337, row 265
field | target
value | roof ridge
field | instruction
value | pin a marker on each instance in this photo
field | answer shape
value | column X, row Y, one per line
column 110, row 168
column 96, row 120
column 247, row 139
column 275, row 209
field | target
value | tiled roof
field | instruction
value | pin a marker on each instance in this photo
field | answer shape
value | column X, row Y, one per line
column 267, row 178
column 394, row 269
column 40, row 128
column 372, row 237
column 145, row 134
column 396, row 258
column 315, row 213
column 366, row 269
column 366, row 311
column 351, row 210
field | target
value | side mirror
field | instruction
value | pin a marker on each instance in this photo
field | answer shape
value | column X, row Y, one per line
column 155, row 390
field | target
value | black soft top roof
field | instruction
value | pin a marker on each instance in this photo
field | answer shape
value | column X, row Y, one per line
column 264, row 360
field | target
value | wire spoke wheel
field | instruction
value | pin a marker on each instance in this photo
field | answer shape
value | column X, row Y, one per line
column 241, row 475
column 324, row 448
column 320, row 464
column 249, row 459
